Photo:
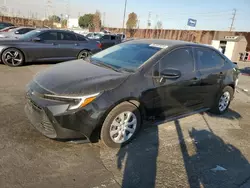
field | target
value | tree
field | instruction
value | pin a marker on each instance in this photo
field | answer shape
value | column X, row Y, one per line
column 64, row 23
column 86, row 21
column 132, row 23
column 54, row 18
column 97, row 21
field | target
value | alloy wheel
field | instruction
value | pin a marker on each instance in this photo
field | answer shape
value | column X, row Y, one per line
column 224, row 101
column 123, row 127
column 13, row 57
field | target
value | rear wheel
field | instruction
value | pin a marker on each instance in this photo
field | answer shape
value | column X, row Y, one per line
column 83, row 54
column 121, row 125
column 13, row 57
column 223, row 101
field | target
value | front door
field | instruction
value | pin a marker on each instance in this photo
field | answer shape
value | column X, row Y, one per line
column 46, row 48
column 177, row 83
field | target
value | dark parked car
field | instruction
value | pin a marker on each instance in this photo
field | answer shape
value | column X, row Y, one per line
column 5, row 24
column 6, row 29
column 46, row 45
column 16, row 32
column 108, row 40
column 124, row 84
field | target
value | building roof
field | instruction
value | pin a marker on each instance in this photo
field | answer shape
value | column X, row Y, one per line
column 233, row 38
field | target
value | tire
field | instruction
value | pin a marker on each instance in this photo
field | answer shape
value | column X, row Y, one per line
column 112, row 120
column 226, row 92
column 83, row 54
column 12, row 57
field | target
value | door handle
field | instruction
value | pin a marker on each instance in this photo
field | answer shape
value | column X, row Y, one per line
column 54, row 43
column 195, row 80
column 76, row 44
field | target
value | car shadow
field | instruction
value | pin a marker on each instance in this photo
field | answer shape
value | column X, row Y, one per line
column 211, row 152
column 138, row 160
column 230, row 114
column 42, row 63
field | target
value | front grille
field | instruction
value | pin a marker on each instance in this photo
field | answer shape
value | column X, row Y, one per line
column 39, row 119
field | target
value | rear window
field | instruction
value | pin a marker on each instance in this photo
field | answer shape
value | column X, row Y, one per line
column 81, row 38
column 129, row 56
column 207, row 58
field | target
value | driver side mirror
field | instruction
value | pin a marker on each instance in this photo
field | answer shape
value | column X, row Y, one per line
column 36, row 39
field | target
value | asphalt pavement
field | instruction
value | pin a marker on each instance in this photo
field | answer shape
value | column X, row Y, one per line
column 244, row 84
column 201, row 150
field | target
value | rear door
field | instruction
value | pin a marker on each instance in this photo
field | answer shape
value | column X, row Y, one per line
column 176, row 95
column 210, row 65
column 68, row 45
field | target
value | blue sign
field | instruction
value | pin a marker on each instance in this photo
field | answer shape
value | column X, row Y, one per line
column 191, row 22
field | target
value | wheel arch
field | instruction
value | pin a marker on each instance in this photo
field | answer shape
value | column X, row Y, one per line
column 9, row 47
column 85, row 49
column 132, row 100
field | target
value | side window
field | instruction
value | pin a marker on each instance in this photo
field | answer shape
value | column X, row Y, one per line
column 113, row 37
column 23, row 31
column 67, row 36
column 207, row 58
column 106, row 37
column 48, row 35
column 89, row 35
column 20, row 31
column 81, row 38
column 180, row 59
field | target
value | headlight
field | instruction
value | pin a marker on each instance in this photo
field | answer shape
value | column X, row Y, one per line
column 74, row 102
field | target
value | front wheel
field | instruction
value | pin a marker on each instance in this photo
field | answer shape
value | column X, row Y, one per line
column 223, row 101
column 121, row 125
column 13, row 57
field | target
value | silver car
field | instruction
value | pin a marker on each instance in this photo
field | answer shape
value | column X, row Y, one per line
column 16, row 32
column 46, row 45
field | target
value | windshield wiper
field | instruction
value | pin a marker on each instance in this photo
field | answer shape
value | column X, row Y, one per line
column 100, row 63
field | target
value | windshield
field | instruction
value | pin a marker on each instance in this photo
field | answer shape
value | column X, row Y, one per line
column 126, row 56
column 30, row 34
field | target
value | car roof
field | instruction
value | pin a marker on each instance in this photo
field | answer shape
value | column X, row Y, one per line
column 24, row 28
column 57, row 30
column 165, row 42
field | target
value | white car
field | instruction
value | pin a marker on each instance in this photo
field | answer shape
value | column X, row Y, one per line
column 94, row 35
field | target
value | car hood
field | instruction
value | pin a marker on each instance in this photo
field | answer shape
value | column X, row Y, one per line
column 78, row 77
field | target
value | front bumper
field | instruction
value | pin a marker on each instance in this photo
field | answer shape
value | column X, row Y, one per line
column 47, row 124
column 53, row 120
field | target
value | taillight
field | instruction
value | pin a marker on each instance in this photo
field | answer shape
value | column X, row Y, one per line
column 99, row 45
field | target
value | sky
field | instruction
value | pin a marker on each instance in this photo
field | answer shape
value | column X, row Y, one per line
column 210, row 14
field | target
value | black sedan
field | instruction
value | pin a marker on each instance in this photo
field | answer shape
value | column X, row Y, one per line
column 121, row 86
column 46, row 45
